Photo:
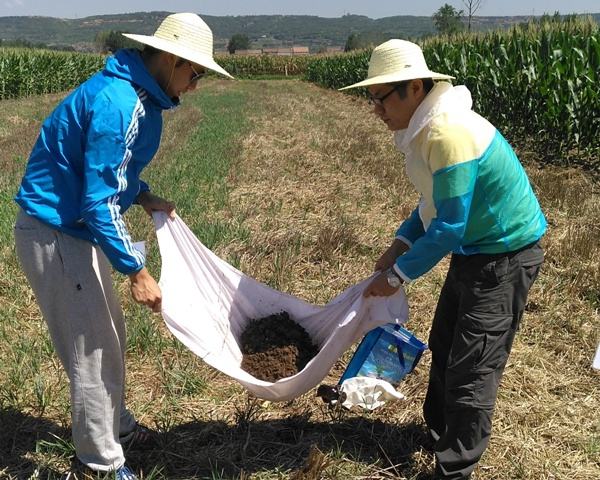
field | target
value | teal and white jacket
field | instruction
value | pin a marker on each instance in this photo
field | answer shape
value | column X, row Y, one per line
column 475, row 194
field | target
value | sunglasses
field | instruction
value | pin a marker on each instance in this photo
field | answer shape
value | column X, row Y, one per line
column 378, row 101
column 196, row 75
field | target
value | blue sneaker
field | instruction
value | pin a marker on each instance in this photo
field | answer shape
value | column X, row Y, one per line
column 80, row 471
column 125, row 473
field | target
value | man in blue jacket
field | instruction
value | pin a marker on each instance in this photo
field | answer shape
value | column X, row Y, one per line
column 82, row 176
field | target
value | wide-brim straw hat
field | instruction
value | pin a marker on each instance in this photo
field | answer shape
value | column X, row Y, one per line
column 396, row 61
column 185, row 35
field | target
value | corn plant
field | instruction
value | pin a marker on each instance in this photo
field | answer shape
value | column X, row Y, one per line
column 339, row 70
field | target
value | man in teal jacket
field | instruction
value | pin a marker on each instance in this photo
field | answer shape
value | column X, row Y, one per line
column 477, row 204
column 82, row 176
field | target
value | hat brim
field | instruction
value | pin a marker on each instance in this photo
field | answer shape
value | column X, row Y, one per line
column 406, row 74
column 180, row 51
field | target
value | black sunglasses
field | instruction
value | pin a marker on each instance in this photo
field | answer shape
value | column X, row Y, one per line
column 373, row 100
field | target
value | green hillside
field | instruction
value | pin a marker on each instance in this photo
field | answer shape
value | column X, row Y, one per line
column 261, row 29
column 300, row 29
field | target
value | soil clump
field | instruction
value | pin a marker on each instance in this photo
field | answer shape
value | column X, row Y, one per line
column 275, row 347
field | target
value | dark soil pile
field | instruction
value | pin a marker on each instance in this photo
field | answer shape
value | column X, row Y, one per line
column 275, row 347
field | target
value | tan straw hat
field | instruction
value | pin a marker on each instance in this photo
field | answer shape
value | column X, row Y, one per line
column 396, row 61
column 185, row 35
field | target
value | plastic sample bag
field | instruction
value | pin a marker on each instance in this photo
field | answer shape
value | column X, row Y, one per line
column 207, row 304
column 388, row 352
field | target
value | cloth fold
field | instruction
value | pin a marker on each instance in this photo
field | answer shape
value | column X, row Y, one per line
column 207, row 303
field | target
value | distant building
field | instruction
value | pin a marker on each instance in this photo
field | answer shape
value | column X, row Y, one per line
column 270, row 51
column 332, row 50
column 298, row 50
column 249, row 53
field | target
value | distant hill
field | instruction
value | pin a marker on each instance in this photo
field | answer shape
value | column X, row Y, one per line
column 263, row 30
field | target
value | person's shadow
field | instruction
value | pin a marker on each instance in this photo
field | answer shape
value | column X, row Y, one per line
column 301, row 448
column 20, row 437
column 295, row 446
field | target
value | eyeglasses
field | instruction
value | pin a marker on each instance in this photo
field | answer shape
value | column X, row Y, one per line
column 196, row 75
column 378, row 101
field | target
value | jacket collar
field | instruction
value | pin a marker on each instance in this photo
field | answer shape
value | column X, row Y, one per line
column 442, row 98
column 128, row 64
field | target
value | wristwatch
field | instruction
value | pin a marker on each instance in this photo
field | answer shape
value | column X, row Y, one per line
column 393, row 279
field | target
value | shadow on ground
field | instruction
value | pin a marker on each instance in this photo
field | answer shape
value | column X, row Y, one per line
column 20, row 437
column 218, row 450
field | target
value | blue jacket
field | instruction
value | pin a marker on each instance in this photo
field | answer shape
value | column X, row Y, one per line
column 83, row 172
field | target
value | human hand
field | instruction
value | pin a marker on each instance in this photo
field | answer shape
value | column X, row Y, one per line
column 153, row 203
column 145, row 290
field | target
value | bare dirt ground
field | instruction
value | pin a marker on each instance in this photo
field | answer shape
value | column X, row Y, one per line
column 275, row 347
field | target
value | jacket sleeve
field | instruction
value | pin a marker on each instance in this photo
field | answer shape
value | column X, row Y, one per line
column 453, row 188
column 107, row 153
column 411, row 229
column 143, row 188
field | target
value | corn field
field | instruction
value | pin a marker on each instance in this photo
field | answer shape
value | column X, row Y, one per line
column 539, row 81
column 253, row 66
column 25, row 72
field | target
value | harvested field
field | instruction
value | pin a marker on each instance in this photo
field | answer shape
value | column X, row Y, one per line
column 302, row 189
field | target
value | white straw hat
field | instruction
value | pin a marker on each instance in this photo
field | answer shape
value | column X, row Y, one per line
column 185, row 35
column 397, row 61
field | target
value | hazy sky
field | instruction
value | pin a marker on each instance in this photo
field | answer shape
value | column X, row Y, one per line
column 323, row 8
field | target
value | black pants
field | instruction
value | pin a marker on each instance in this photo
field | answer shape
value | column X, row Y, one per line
column 477, row 316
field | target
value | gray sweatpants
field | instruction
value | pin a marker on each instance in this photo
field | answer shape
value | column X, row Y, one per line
column 72, row 283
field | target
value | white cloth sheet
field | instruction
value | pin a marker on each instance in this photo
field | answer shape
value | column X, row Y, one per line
column 596, row 362
column 207, row 303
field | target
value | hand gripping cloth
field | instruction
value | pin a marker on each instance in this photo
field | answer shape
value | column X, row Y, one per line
column 207, row 304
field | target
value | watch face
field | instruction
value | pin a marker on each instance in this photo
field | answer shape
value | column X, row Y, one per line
column 393, row 280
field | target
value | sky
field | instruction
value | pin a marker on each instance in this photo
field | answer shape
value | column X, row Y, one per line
column 322, row 8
